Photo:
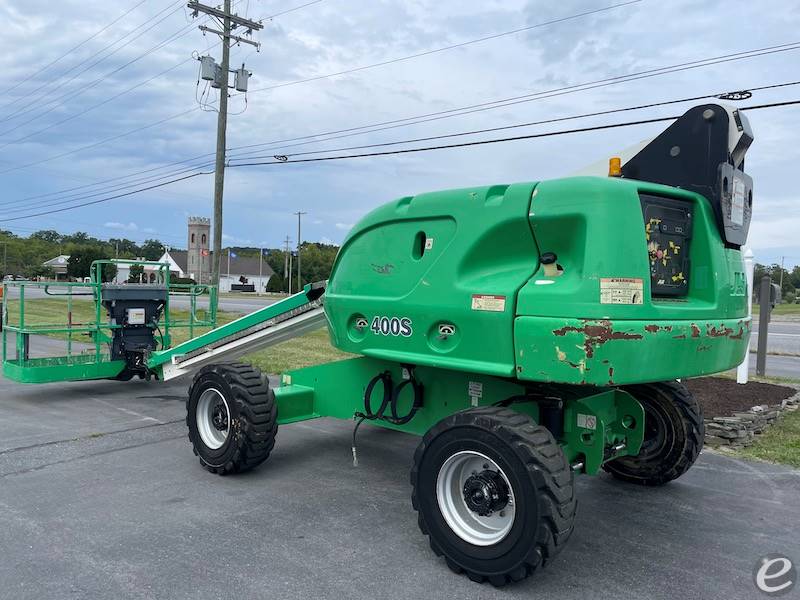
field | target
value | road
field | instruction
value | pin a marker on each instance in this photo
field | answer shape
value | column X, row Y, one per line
column 102, row 498
column 783, row 337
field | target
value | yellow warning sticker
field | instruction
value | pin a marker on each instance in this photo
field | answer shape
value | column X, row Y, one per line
column 488, row 302
column 621, row 290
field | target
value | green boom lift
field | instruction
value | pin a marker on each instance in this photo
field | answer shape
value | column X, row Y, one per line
column 527, row 332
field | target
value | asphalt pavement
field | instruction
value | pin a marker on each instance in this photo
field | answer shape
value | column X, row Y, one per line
column 101, row 497
column 782, row 337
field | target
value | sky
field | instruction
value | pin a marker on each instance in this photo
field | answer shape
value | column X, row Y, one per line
column 92, row 117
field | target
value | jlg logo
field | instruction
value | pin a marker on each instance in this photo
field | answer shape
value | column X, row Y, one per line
column 392, row 326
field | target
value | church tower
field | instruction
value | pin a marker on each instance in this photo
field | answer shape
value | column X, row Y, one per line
column 198, row 259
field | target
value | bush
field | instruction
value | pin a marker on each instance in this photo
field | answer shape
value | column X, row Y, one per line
column 276, row 283
column 789, row 298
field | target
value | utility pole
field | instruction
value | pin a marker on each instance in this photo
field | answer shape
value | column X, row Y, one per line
column 299, row 278
column 783, row 258
column 287, row 274
column 219, row 75
column 260, row 268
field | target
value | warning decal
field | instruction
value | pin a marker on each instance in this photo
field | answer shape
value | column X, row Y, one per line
column 587, row 421
column 489, row 303
column 737, row 202
column 621, row 290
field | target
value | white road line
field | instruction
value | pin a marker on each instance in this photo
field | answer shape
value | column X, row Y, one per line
column 129, row 412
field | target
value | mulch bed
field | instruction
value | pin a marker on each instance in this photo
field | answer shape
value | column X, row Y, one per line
column 722, row 397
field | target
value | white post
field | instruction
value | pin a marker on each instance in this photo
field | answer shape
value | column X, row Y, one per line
column 743, row 369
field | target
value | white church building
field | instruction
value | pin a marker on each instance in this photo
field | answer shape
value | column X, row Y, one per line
column 237, row 274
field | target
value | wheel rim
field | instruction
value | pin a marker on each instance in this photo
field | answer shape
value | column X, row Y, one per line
column 213, row 418
column 655, row 434
column 470, row 483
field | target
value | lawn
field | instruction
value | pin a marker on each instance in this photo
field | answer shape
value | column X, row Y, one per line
column 780, row 443
column 780, row 309
column 310, row 349
column 53, row 312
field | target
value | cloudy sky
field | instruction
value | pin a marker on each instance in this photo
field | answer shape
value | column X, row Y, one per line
column 109, row 108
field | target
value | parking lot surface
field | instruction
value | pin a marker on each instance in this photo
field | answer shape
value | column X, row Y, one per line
column 101, row 497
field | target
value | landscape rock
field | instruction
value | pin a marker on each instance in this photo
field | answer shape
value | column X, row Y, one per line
column 740, row 430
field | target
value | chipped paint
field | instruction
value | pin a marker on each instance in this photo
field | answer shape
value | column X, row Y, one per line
column 597, row 334
column 721, row 331
column 610, row 375
column 653, row 328
column 562, row 356
column 695, row 331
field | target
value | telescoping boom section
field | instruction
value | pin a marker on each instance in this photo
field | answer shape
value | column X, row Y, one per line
column 276, row 323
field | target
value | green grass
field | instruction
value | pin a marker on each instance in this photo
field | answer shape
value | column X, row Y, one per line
column 780, row 309
column 780, row 443
column 53, row 312
column 311, row 349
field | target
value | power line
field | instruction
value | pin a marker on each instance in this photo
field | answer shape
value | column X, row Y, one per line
column 101, row 142
column 445, row 48
column 123, row 195
column 401, row 151
column 71, row 50
column 532, row 97
column 499, row 140
column 278, row 14
column 445, row 114
column 32, row 104
column 151, row 178
column 532, row 123
column 83, row 89
column 121, row 187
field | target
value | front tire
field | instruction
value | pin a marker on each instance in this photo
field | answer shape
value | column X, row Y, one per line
column 494, row 493
column 673, row 437
column 232, row 417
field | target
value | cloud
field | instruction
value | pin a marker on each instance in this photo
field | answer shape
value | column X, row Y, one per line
column 323, row 39
column 121, row 226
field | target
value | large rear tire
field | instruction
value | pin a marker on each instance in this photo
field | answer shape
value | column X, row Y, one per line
column 673, row 437
column 494, row 493
column 232, row 417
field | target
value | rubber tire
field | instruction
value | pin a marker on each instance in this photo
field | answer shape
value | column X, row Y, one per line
column 541, row 479
column 671, row 405
column 253, row 417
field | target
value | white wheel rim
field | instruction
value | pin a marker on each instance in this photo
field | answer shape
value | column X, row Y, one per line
column 213, row 418
column 467, row 524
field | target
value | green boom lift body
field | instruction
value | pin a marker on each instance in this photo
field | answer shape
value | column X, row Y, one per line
column 527, row 332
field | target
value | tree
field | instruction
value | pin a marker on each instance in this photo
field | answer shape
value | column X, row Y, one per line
column 81, row 259
column 276, row 283
column 135, row 274
column 47, row 235
column 794, row 276
column 124, row 248
column 36, row 271
column 152, row 249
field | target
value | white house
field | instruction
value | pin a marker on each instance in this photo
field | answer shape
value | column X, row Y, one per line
column 243, row 275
